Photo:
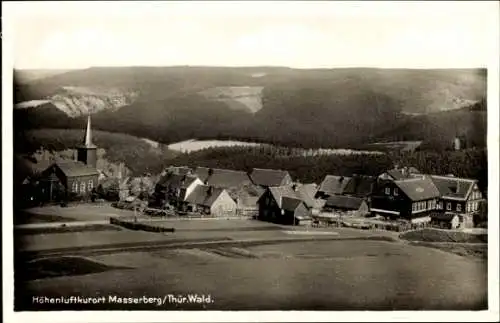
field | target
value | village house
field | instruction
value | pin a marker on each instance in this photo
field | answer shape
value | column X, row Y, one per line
column 332, row 185
column 173, row 189
column 413, row 199
column 346, row 205
column 458, row 196
column 210, row 201
column 270, row 177
column 246, row 198
column 283, row 205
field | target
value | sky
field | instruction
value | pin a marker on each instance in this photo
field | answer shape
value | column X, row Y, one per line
column 73, row 35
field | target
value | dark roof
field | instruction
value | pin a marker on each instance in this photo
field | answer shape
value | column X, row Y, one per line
column 202, row 173
column 177, row 181
column 453, row 187
column 344, row 202
column 226, row 178
column 360, row 185
column 333, row 184
column 268, row 177
column 204, row 195
column 290, row 204
column 75, row 169
column 418, row 189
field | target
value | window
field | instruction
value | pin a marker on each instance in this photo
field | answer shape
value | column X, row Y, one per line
column 476, row 206
column 468, row 207
column 90, row 185
column 413, row 207
column 448, row 206
column 396, row 193
column 387, row 191
column 74, row 187
column 82, row 187
column 440, row 205
column 459, row 207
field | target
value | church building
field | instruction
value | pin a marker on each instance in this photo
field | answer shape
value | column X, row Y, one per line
column 68, row 180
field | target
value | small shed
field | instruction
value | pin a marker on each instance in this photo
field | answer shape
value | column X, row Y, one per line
column 346, row 204
column 445, row 220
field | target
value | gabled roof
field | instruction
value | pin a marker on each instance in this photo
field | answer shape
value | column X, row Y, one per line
column 333, row 184
column 344, row 202
column 360, row 185
column 290, row 204
column 268, row 177
column 278, row 192
column 202, row 173
column 177, row 181
column 306, row 193
column 302, row 192
column 418, row 189
column 453, row 187
column 204, row 195
column 226, row 178
column 76, row 168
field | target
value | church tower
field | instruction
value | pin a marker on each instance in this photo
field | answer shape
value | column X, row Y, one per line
column 87, row 153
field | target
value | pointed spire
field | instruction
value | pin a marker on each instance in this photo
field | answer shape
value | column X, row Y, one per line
column 88, row 134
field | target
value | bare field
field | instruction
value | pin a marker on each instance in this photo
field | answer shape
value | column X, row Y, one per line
column 327, row 275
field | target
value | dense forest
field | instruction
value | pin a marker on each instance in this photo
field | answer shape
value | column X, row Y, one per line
column 330, row 108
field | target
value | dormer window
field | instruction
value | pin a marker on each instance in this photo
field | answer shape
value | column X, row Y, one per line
column 448, row 206
column 387, row 191
column 459, row 207
column 396, row 193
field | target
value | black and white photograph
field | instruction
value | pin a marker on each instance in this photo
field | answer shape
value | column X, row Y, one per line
column 233, row 157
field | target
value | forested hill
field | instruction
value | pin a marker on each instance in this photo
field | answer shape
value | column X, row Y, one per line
column 334, row 108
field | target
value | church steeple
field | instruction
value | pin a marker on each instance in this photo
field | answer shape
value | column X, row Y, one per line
column 88, row 134
column 87, row 153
